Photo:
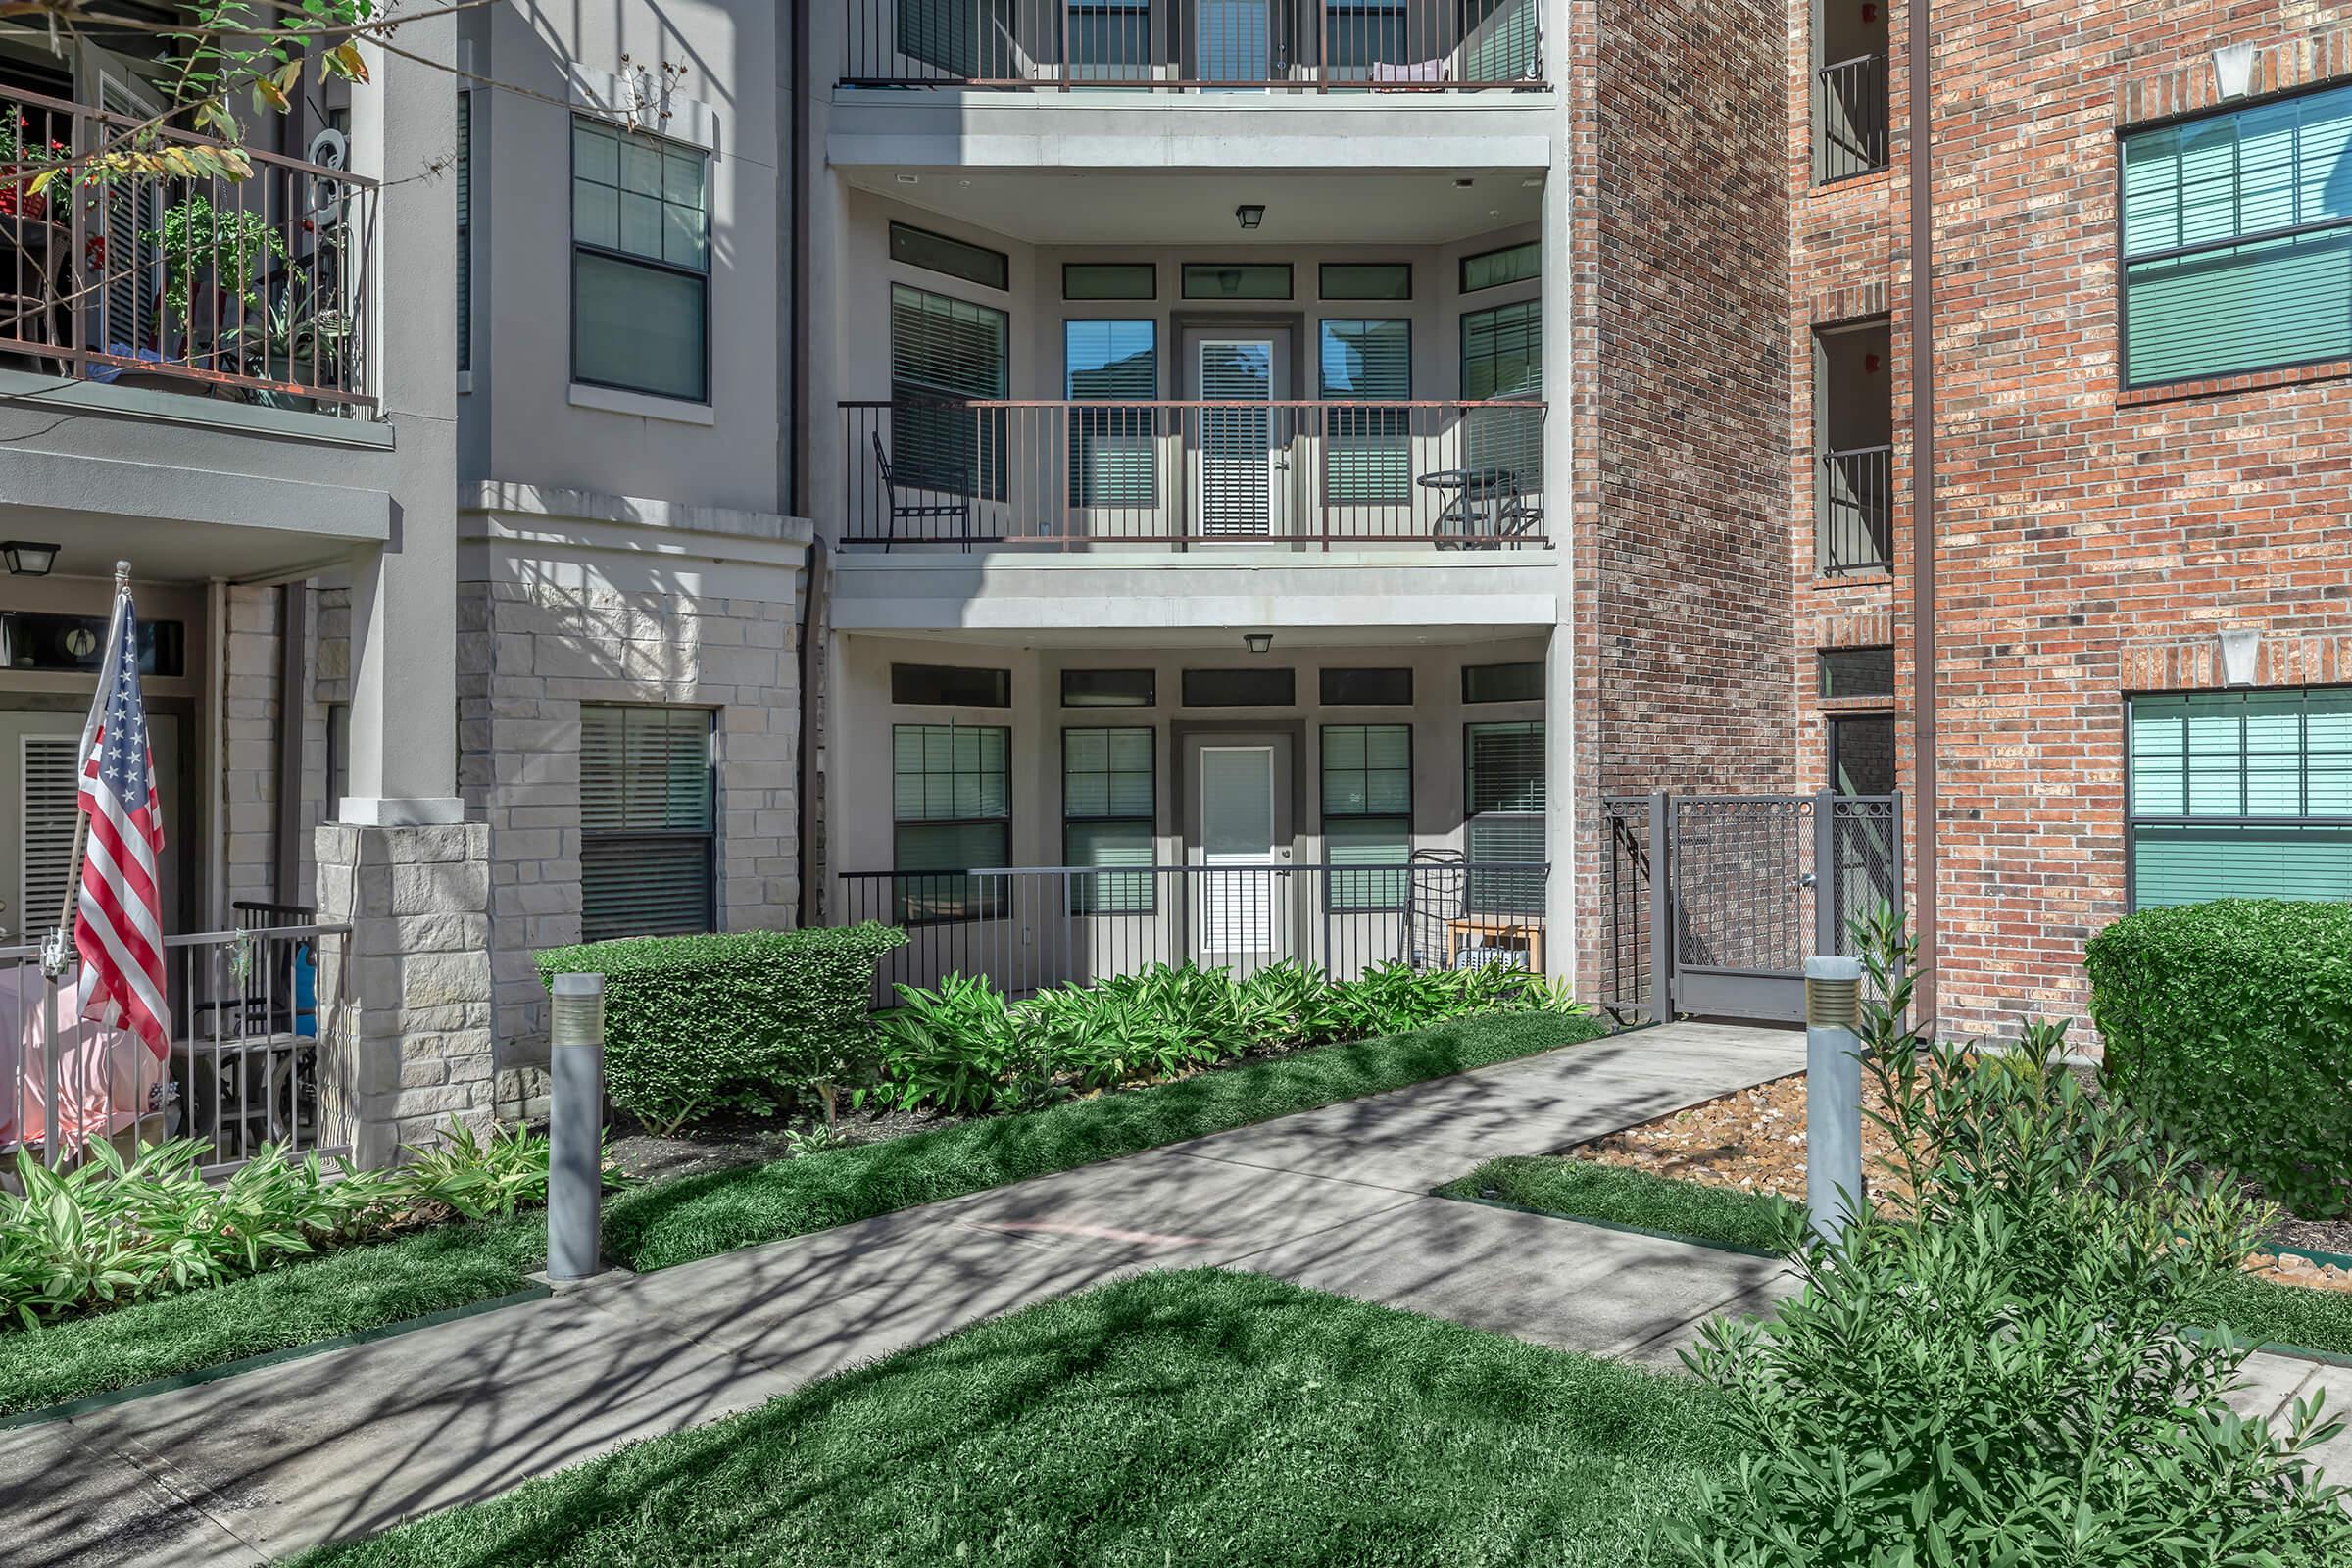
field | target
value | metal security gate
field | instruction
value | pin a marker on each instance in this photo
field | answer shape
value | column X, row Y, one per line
column 1711, row 903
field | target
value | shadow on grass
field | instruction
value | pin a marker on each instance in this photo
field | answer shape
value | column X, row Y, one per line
column 1187, row 1418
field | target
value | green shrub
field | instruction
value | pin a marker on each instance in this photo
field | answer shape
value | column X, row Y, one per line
column 2230, row 1025
column 1994, row 1372
column 107, row 1232
column 968, row 1048
column 698, row 1024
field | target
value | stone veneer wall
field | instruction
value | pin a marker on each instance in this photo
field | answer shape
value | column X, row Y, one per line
column 543, row 628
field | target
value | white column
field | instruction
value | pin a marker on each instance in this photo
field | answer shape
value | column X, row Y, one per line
column 1563, row 943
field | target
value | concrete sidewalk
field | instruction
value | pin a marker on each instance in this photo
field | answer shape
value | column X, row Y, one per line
column 257, row 1467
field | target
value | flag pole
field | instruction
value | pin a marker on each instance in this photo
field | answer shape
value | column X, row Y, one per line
column 59, row 941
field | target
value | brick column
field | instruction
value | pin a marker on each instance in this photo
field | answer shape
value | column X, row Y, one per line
column 404, row 1001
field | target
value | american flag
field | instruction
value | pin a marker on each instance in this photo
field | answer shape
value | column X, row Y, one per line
column 118, row 931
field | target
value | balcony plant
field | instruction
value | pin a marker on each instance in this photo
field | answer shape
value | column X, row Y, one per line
column 197, row 239
column 21, row 192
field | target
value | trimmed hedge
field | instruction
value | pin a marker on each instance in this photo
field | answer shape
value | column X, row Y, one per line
column 696, row 1024
column 2230, row 1024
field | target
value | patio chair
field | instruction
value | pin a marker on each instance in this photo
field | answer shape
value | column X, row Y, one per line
column 922, row 498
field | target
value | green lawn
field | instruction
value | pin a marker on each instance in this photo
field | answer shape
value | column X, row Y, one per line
column 2255, row 1309
column 1613, row 1195
column 675, row 1222
column 1181, row 1418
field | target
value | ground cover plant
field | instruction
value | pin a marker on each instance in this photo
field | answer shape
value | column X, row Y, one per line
column 109, row 1231
column 2230, row 1024
column 1992, row 1369
column 1196, row 1418
column 966, row 1048
column 450, row 1266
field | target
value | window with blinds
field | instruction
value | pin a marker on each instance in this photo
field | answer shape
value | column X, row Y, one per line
column 1367, row 814
column 1502, row 360
column 2241, row 795
column 952, row 808
column 1368, row 458
column 1112, row 462
column 1108, row 816
column 2237, row 241
column 647, row 821
column 1503, row 792
column 945, row 353
column 465, row 195
column 640, row 262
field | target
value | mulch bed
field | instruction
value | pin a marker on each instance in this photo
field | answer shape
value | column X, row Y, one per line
column 1753, row 1140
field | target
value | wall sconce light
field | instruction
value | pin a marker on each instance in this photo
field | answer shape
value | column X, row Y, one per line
column 29, row 559
column 1257, row 642
column 1250, row 214
column 2239, row 647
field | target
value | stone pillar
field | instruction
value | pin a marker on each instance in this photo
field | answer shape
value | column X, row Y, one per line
column 404, row 1001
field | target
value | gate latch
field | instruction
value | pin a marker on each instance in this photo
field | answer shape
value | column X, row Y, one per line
column 1804, row 879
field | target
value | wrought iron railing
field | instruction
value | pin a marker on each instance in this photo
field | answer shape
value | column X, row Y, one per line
column 1850, row 118
column 1854, row 515
column 244, row 1066
column 1027, row 928
column 251, row 288
column 1454, row 475
column 1315, row 45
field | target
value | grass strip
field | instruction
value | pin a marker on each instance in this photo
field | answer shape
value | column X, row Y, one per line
column 2291, row 1318
column 1193, row 1417
column 1612, row 1195
column 385, row 1283
column 336, row 1293
column 718, row 1212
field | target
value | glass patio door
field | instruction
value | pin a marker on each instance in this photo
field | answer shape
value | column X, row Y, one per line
column 1237, row 459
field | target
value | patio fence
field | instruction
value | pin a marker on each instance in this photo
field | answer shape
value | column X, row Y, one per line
column 243, row 1066
column 1030, row 928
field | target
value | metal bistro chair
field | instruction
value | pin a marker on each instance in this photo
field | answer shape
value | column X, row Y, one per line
column 261, row 1081
column 905, row 492
column 1443, row 933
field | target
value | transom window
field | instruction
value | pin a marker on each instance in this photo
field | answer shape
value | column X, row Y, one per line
column 2237, row 241
column 639, row 263
column 1367, row 813
column 2241, row 795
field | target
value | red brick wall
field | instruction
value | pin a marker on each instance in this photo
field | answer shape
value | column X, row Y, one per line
column 1692, row 230
column 1683, row 296
column 2089, row 542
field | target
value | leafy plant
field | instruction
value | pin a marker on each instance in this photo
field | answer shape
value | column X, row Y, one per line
column 108, row 1230
column 1991, row 1368
column 198, row 238
column 2230, row 1024
column 966, row 1049
column 698, row 1024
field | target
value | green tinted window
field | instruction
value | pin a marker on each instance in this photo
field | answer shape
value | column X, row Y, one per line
column 2241, row 795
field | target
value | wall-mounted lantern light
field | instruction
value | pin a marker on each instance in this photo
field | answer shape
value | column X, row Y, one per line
column 1250, row 214
column 29, row 559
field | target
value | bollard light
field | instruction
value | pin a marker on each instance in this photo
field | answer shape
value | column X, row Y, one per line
column 1832, row 1091
column 576, row 1131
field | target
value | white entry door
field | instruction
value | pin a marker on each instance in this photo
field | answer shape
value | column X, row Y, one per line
column 1238, row 467
column 1238, row 905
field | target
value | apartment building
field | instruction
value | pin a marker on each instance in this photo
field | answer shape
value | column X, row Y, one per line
column 2133, row 604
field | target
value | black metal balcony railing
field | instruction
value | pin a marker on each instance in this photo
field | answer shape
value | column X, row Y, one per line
column 1455, row 475
column 1318, row 45
column 1853, row 515
column 1850, row 118
column 251, row 288
column 1027, row 928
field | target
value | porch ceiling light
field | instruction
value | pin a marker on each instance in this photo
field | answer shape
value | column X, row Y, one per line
column 29, row 559
column 1250, row 214
column 1257, row 642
